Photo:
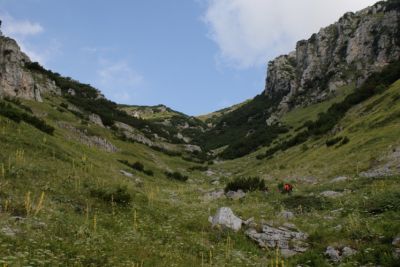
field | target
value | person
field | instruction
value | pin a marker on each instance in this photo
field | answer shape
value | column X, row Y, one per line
column 287, row 188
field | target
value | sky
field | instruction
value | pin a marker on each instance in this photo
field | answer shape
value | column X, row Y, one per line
column 195, row 56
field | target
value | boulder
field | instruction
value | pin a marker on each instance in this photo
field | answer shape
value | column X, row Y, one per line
column 333, row 254
column 214, row 195
column 225, row 217
column 290, row 242
column 94, row 118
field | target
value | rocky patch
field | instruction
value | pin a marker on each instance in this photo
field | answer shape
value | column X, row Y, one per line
column 288, row 241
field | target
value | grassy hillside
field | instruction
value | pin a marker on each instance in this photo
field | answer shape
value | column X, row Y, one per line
column 65, row 203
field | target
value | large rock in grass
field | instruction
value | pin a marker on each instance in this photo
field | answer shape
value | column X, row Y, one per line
column 289, row 242
column 225, row 217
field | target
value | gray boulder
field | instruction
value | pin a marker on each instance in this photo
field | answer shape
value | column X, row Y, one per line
column 214, row 195
column 333, row 254
column 290, row 242
column 225, row 217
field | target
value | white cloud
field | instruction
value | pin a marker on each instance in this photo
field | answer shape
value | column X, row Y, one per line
column 119, row 80
column 22, row 30
column 249, row 32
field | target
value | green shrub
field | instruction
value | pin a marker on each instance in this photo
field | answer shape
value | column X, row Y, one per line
column 246, row 184
column 389, row 201
column 176, row 176
column 118, row 195
column 138, row 166
column 312, row 259
column 17, row 115
column 345, row 141
column 333, row 141
column 148, row 172
column 198, row 168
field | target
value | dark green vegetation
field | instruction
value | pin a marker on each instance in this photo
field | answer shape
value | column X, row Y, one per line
column 243, row 130
column 138, row 166
column 89, row 99
column 375, row 84
column 246, row 184
column 340, row 139
column 176, row 176
column 17, row 115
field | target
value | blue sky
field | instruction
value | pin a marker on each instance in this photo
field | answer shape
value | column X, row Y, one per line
column 195, row 56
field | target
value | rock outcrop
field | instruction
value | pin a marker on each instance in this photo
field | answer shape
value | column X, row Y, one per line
column 289, row 242
column 345, row 52
column 15, row 79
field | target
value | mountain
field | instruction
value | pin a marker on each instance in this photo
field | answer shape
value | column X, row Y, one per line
column 346, row 52
column 343, row 54
column 85, row 181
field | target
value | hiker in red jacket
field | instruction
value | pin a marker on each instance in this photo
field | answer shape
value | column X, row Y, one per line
column 287, row 188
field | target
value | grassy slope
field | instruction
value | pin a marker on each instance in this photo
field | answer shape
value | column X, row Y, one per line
column 74, row 228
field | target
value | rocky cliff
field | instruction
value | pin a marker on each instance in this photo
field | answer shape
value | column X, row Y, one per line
column 345, row 52
column 15, row 79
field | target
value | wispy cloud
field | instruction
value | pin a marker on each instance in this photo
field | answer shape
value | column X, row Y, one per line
column 119, row 80
column 248, row 32
column 22, row 30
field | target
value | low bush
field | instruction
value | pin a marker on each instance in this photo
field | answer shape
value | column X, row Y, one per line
column 246, row 184
column 201, row 168
column 390, row 201
column 333, row 141
column 176, row 176
column 17, row 115
column 138, row 166
column 118, row 195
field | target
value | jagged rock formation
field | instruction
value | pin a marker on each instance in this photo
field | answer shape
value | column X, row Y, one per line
column 345, row 52
column 15, row 79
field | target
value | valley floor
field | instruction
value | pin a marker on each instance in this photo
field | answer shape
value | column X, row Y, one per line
column 65, row 203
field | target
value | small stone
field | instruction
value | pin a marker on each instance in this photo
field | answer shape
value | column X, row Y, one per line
column 7, row 231
column 249, row 221
column 348, row 252
column 287, row 215
column 214, row 195
column 125, row 173
column 235, row 195
column 331, row 194
column 396, row 241
column 333, row 254
column 339, row 179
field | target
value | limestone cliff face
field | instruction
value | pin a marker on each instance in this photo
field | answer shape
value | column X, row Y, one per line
column 345, row 52
column 15, row 79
